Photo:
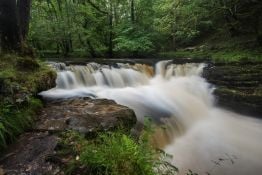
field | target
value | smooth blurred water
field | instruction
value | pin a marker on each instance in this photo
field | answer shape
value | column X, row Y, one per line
column 200, row 136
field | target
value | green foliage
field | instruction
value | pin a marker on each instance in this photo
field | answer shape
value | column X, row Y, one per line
column 63, row 26
column 97, row 28
column 224, row 55
column 115, row 153
column 24, row 76
column 20, row 80
column 14, row 119
column 118, row 154
column 27, row 64
column 132, row 41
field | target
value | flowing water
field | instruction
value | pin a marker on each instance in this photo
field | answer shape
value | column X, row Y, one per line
column 199, row 135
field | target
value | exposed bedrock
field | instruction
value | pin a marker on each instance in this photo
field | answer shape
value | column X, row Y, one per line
column 238, row 86
column 30, row 154
column 85, row 115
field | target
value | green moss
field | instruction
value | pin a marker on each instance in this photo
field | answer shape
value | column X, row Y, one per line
column 221, row 47
column 216, row 55
column 30, row 75
column 20, row 80
column 236, row 55
column 27, row 64
column 7, row 74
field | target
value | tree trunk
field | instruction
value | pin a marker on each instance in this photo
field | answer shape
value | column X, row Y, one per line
column 24, row 17
column 132, row 11
column 110, row 47
column 15, row 15
column 91, row 49
column 23, row 7
column 8, row 26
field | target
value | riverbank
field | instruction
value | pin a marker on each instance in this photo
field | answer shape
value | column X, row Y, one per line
column 223, row 56
column 66, row 137
column 21, row 79
column 180, row 56
column 51, row 146
column 215, row 48
column 237, row 86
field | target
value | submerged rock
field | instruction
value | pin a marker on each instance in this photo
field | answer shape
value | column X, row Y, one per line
column 85, row 115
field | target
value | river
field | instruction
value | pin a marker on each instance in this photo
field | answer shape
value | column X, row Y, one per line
column 199, row 135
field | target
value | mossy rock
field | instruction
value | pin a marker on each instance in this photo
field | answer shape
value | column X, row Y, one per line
column 27, row 64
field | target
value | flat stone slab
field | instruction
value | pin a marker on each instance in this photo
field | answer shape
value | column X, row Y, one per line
column 85, row 115
column 28, row 155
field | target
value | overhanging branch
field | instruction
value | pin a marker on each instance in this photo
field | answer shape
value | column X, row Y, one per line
column 96, row 7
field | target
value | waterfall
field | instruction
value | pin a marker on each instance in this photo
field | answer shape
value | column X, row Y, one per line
column 199, row 135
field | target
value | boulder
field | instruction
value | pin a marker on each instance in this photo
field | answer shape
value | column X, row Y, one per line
column 85, row 115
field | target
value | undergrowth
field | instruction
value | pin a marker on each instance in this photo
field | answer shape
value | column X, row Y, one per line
column 14, row 119
column 226, row 56
column 220, row 47
column 115, row 153
column 21, row 78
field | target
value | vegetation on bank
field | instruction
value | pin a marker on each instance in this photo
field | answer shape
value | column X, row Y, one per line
column 220, row 47
column 16, row 118
column 21, row 78
column 114, row 153
column 225, row 56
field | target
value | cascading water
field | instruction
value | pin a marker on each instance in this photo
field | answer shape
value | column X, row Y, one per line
column 200, row 136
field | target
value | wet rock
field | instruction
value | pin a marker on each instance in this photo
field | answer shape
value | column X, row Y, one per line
column 28, row 155
column 238, row 86
column 241, row 102
column 85, row 115
column 35, row 152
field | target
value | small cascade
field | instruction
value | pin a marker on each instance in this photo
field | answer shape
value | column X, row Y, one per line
column 168, row 70
column 94, row 74
column 124, row 75
column 195, row 132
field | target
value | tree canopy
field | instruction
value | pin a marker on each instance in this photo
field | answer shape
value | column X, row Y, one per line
column 99, row 28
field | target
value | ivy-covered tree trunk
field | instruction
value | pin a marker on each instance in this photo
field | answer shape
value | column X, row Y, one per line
column 14, row 22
